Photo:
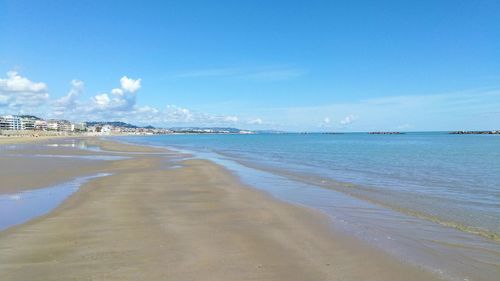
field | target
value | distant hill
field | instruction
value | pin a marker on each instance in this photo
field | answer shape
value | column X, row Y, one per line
column 111, row 123
column 270, row 132
column 206, row 130
column 30, row 117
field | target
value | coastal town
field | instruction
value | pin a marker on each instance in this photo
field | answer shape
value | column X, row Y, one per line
column 29, row 125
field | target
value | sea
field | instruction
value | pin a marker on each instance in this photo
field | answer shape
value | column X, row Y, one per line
column 431, row 199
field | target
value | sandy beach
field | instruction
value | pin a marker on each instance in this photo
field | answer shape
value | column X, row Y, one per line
column 151, row 220
column 25, row 139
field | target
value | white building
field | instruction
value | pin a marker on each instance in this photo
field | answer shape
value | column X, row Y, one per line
column 80, row 126
column 106, row 129
column 10, row 122
column 52, row 125
column 41, row 125
column 66, row 126
column 94, row 129
column 60, row 125
column 28, row 122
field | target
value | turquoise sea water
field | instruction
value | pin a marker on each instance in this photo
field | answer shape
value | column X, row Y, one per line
column 428, row 190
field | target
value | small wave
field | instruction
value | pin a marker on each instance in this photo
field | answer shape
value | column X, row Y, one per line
column 355, row 190
column 15, row 197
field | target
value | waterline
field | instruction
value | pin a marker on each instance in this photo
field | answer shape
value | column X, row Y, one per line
column 450, row 251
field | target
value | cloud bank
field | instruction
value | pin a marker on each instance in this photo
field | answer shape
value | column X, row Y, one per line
column 466, row 110
column 21, row 95
column 17, row 92
column 348, row 120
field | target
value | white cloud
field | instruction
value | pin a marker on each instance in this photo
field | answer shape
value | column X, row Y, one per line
column 130, row 85
column 70, row 99
column 17, row 83
column 256, row 121
column 120, row 100
column 475, row 109
column 231, row 119
column 117, row 91
column 175, row 114
column 118, row 104
column 102, row 101
column 18, row 92
column 348, row 119
column 147, row 109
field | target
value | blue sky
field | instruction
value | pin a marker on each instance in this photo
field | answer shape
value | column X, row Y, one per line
column 288, row 65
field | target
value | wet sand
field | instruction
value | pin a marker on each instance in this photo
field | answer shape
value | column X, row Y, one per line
column 22, row 168
column 26, row 139
column 198, row 222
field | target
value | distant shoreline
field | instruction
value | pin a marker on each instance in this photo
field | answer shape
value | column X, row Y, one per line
column 25, row 136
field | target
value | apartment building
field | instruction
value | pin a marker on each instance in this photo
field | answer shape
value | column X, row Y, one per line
column 41, row 125
column 60, row 125
column 28, row 122
column 10, row 122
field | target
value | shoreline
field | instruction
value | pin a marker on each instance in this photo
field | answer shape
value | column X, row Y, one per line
column 343, row 187
column 451, row 253
column 346, row 188
column 215, row 230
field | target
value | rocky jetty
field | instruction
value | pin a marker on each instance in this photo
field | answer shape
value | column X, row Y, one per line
column 385, row 133
column 497, row 132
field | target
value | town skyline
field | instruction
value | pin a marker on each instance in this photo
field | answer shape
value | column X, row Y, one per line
column 22, row 125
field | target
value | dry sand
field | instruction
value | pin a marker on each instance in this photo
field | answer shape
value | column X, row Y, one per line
column 198, row 222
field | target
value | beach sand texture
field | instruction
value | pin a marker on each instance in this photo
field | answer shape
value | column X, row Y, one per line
column 199, row 222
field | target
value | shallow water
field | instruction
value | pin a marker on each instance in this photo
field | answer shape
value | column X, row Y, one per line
column 430, row 199
column 18, row 208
